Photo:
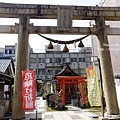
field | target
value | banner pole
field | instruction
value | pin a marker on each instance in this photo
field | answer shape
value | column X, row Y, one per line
column 101, row 86
column 36, row 115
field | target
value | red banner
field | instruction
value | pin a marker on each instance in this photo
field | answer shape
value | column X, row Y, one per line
column 28, row 90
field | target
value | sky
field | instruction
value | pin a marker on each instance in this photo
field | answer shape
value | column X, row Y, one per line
column 34, row 39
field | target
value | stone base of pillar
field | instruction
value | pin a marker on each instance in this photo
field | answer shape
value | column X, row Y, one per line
column 110, row 117
column 103, row 118
column 114, row 117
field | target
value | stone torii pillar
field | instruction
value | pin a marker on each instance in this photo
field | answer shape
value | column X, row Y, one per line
column 106, row 68
column 21, row 64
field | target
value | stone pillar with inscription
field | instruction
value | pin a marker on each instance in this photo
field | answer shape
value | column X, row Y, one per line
column 106, row 68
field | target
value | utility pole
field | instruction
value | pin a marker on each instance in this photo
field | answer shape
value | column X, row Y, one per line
column 21, row 64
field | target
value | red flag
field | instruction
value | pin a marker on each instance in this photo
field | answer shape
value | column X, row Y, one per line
column 28, row 90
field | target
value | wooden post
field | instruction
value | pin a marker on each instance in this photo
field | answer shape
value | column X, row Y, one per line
column 63, row 93
column 83, row 94
column 10, row 97
column 21, row 64
column 106, row 68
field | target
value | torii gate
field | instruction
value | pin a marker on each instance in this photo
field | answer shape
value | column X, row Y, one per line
column 64, row 16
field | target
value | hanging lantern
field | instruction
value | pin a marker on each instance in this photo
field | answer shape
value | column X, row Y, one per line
column 50, row 46
column 80, row 44
column 65, row 49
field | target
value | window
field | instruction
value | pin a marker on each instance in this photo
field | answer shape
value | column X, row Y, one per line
column 33, row 60
column 88, row 59
column 10, row 51
column 41, row 60
column 57, row 71
column 82, row 71
column 73, row 59
column 57, row 60
column 36, row 71
column 1, row 53
column 13, row 51
column 49, row 71
column 81, row 59
column 41, row 71
column 66, row 60
column 49, row 60
column 89, row 54
column 6, row 51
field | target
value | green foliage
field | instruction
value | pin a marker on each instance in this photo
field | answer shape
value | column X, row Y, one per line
column 49, row 109
column 46, row 96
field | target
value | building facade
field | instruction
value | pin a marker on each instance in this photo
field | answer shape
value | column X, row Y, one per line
column 11, row 51
column 48, row 64
column 2, row 52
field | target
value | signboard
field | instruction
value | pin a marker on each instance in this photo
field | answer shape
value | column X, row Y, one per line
column 64, row 22
column 93, row 87
column 28, row 90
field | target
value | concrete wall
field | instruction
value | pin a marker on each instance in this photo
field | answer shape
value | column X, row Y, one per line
column 114, row 41
column 4, row 104
column 2, row 111
column 4, row 108
column 112, row 3
column 117, row 83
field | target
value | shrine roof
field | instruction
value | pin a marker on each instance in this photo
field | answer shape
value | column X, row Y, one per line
column 6, row 79
column 67, row 71
column 4, row 63
column 7, row 70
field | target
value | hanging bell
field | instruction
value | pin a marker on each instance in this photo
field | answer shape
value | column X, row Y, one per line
column 65, row 49
column 50, row 46
column 80, row 44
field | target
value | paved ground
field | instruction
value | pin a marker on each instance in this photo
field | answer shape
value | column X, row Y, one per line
column 73, row 113
column 39, row 112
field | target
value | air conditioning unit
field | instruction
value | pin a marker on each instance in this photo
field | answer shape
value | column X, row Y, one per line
column 48, row 76
column 40, row 76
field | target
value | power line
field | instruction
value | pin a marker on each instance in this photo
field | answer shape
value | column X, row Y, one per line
column 102, row 2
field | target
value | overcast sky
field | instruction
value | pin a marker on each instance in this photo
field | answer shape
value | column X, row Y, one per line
column 35, row 40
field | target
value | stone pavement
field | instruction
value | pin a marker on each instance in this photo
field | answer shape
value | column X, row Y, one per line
column 73, row 113
column 40, row 110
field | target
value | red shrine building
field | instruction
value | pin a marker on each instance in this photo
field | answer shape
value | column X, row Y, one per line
column 73, row 86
